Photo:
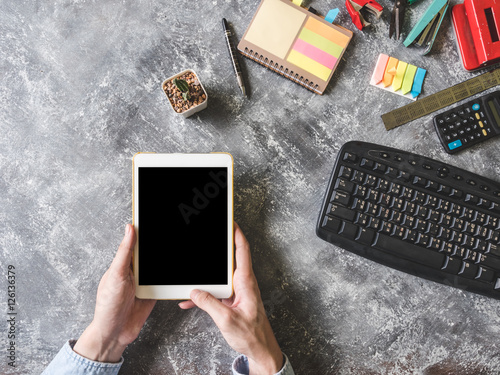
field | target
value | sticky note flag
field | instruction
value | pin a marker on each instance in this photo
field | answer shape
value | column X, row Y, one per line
column 297, row 2
column 418, row 82
column 390, row 71
column 378, row 75
column 400, row 73
column 332, row 14
column 397, row 77
column 408, row 79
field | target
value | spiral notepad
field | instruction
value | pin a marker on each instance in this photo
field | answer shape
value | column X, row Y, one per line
column 295, row 43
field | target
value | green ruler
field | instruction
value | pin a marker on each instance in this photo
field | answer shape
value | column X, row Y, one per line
column 441, row 99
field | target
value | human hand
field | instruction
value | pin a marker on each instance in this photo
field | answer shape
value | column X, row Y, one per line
column 242, row 319
column 119, row 315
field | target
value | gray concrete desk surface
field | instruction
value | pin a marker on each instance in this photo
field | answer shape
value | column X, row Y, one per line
column 81, row 93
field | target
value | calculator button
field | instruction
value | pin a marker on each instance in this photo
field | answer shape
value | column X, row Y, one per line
column 477, row 116
column 454, row 145
column 475, row 106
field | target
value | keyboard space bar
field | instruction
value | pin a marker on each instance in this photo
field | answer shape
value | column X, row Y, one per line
column 409, row 251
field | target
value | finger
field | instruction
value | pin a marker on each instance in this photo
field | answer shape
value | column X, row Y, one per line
column 123, row 256
column 185, row 305
column 209, row 304
column 243, row 256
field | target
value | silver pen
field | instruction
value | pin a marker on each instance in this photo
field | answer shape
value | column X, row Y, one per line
column 232, row 54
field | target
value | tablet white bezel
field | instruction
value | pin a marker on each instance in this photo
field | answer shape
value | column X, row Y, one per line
column 182, row 160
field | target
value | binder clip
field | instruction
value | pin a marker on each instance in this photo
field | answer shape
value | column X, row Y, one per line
column 425, row 31
column 354, row 7
column 476, row 24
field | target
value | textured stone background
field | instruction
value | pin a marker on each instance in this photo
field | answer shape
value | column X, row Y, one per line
column 81, row 92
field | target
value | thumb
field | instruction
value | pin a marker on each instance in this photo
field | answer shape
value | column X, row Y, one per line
column 209, row 304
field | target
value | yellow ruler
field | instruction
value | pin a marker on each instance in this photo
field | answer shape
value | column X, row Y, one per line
column 441, row 99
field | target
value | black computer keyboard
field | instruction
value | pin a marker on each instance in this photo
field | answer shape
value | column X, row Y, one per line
column 415, row 214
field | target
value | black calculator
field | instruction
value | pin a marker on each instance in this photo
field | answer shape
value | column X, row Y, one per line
column 470, row 123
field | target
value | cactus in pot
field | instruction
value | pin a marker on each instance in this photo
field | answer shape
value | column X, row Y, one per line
column 183, row 87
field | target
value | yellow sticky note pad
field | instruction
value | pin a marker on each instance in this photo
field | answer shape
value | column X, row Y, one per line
column 400, row 73
column 389, row 70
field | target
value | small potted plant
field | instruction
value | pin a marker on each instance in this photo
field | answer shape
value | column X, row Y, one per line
column 185, row 93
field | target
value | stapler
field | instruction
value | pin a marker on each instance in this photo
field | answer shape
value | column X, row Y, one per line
column 354, row 8
column 476, row 24
column 425, row 31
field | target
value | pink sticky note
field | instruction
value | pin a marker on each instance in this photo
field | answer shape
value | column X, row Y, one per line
column 315, row 53
column 380, row 68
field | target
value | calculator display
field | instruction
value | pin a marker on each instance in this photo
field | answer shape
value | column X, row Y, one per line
column 493, row 108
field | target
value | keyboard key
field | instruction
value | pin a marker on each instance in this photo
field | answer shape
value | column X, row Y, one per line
column 341, row 212
column 367, row 163
column 365, row 236
column 410, row 252
column 349, row 230
column 331, row 223
column 468, row 270
column 379, row 167
column 358, row 177
column 348, row 156
column 345, row 172
column 485, row 274
column 345, row 185
column 419, row 181
column 493, row 250
column 374, row 223
column 362, row 220
column 341, row 198
column 452, row 265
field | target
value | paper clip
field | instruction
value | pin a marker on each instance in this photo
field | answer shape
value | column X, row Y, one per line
column 354, row 8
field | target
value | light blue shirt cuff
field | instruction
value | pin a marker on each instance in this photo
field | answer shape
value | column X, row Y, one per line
column 241, row 366
column 67, row 362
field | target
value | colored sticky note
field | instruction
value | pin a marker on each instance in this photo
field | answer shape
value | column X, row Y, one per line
column 317, row 48
column 400, row 73
column 380, row 68
column 309, row 65
column 327, row 32
column 297, row 2
column 408, row 79
column 320, row 42
column 315, row 53
column 418, row 82
column 331, row 15
column 389, row 71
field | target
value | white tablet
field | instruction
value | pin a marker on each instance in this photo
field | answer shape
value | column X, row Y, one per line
column 183, row 217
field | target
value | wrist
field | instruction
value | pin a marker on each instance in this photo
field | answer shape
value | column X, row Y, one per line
column 268, row 361
column 268, row 365
column 92, row 345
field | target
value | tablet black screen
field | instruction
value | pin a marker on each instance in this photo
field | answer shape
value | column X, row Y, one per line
column 183, row 217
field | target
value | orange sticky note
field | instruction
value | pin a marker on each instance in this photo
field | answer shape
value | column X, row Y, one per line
column 390, row 71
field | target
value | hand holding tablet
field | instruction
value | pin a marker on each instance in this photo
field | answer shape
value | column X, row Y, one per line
column 183, row 216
